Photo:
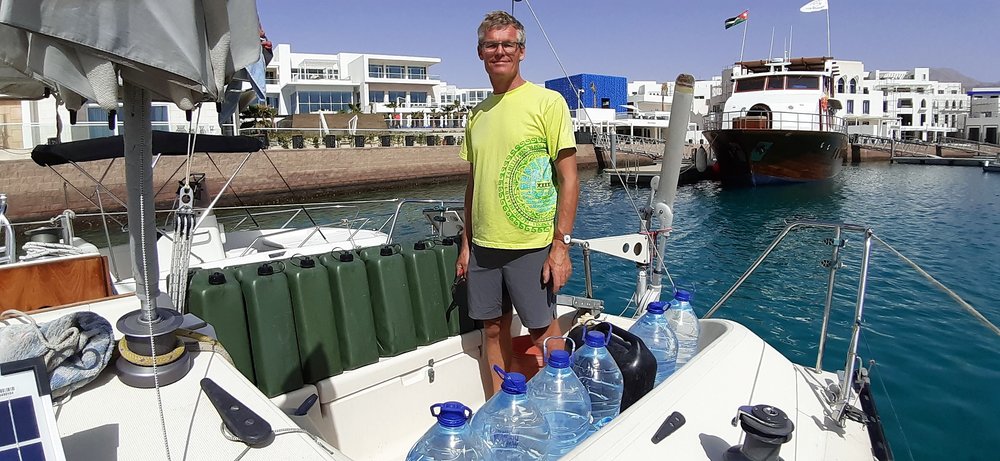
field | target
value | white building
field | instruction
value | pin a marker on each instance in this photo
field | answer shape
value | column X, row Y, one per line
column 25, row 124
column 301, row 83
column 984, row 115
column 899, row 104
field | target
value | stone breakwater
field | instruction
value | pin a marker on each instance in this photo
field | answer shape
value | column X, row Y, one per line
column 36, row 192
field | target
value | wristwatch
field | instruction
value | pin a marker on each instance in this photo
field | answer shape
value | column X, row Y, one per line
column 566, row 238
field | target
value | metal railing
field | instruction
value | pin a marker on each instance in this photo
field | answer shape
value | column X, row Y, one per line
column 8, row 252
column 773, row 120
column 637, row 145
column 839, row 403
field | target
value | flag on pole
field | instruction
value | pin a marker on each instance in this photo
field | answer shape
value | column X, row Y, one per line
column 742, row 17
column 814, row 6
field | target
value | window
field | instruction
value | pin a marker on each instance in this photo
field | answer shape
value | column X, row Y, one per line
column 923, row 103
column 398, row 97
column 935, row 119
column 272, row 100
column 885, row 106
column 97, row 119
column 314, row 101
column 776, row 82
column 376, row 96
column 865, row 90
column 850, row 106
column 854, row 86
column 158, row 117
column 750, row 84
column 796, row 82
column 418, row 97
column 866, row 107
column 923, row 119
column 904, row 104
column 376, row 71
column 417, row 73
column 393, row 71
column 840, row 85
column 271, row 76
column 313, row 73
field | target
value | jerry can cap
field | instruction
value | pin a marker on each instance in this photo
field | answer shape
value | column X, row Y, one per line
column 216, row 278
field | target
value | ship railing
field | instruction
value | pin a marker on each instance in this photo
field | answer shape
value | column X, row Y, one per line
column 775, row 120
column 837, row 243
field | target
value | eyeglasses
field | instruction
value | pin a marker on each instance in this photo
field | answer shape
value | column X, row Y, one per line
column 508, row 47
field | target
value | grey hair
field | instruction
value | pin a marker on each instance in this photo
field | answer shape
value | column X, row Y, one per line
column 499, row 20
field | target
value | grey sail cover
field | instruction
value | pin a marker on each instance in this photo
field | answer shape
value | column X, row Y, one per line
column 183, row 51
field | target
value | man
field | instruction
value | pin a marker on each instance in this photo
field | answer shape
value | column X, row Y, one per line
column 518, row 215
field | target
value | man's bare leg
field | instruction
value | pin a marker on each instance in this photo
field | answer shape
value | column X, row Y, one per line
column 538, row 335
column 497, row 346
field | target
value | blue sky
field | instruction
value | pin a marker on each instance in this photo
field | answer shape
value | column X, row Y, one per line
column 647, row 40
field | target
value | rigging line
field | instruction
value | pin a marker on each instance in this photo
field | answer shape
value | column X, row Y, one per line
column 899, row 424
column 961, row 302
column 579, row 103
column 192, row 138
column 233, row 189
column 87, row 198
column 287, row 186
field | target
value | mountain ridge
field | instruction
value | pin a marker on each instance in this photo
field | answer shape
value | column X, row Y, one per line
column 947, row 74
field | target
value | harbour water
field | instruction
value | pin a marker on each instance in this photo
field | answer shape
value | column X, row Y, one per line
column 937, row 371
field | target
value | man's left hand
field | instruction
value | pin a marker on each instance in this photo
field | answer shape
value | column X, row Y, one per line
column 557, row 267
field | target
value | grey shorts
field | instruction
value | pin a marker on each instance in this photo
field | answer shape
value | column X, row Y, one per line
column 499, row 278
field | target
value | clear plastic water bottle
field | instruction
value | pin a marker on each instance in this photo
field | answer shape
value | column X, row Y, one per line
column 563, row 400
column 654, row 330
column 684, row 322
column 450, row 438
column 510, row 424
column 601, row 376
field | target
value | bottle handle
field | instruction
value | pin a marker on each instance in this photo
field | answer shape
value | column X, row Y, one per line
column 499, row 371
column 607, row 337
column 545, row 345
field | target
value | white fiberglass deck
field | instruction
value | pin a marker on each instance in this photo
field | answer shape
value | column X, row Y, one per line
column 735, row 367
column 378, row 411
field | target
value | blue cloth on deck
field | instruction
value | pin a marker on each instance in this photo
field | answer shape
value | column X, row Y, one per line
column 75, row 347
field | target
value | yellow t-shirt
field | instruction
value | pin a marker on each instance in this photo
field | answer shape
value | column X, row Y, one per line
column 511, row 140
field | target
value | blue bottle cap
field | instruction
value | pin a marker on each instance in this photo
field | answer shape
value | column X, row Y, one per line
column 513, row 382
column 682, row 295
column 559, row 359
column 595, row 339
column 656, row 307
column 451, row 414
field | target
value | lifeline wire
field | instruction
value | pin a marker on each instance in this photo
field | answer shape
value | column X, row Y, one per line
column 561, row 66
column 628, row 194
column 961, row 302
column 899, row 424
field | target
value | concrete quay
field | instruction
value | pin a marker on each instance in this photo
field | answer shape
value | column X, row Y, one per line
column 35, row 192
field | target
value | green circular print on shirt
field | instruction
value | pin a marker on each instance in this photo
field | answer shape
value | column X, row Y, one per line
column 527, row 194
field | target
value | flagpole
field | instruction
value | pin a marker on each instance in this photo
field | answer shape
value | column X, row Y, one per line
column 746, row 24
column 828, row 52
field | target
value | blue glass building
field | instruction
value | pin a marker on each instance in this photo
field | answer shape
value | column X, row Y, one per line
column 602, row 91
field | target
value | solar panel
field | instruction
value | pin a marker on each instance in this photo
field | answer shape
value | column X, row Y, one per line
column 28, row 429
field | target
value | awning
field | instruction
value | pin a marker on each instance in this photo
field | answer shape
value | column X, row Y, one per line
column 164, row 142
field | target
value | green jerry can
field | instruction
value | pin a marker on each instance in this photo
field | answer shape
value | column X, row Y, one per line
column 315, row 324
column 352, row 309
column 214, row 295
column 424, row 280
column 391, row 305
column 446, row 251
column 272, row 328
